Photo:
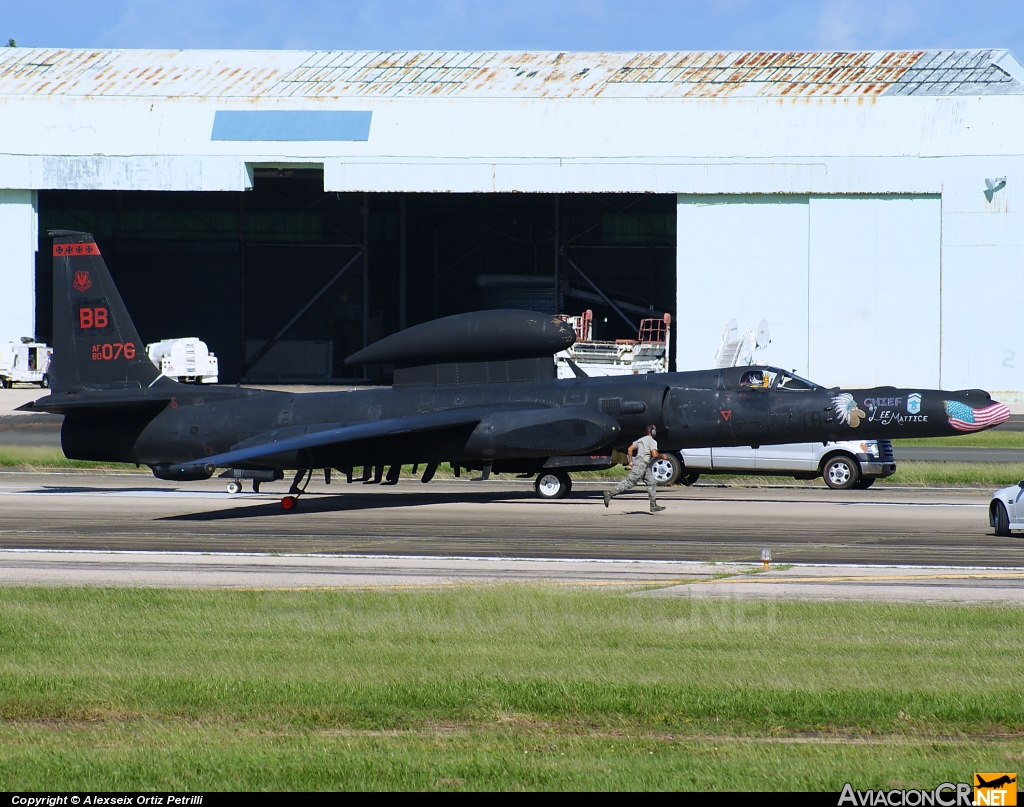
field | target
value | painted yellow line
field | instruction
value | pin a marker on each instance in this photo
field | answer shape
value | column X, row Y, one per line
column 760, row 578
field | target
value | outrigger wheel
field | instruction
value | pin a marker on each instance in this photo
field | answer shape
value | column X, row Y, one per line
column 291, row 501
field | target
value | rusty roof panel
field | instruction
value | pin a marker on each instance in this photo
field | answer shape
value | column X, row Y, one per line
column 339, row 74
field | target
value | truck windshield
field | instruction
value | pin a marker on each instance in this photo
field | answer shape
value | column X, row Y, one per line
column 792, row 382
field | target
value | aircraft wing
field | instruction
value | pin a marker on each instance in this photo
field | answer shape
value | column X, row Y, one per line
column 255, row 449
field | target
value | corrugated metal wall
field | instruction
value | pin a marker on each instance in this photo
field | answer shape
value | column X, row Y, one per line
column 850, row 285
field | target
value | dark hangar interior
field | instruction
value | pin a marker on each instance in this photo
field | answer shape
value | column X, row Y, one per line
column 285, row 280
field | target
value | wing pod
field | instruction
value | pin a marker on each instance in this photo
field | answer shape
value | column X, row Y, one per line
column 186, row 472
column 477, row 336
column 481, row 347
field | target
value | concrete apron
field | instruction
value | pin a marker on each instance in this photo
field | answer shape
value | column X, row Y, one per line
column 703, row 581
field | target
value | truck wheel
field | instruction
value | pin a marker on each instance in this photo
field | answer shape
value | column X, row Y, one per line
column 553, row 485
column 1000, row 519
column 689, row 479
column 4, row 383
column 666, row 470
column 863, row 484
column 840, row 472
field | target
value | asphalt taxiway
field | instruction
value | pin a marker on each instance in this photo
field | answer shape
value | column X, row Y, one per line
column 504, row 518
column 128, row 529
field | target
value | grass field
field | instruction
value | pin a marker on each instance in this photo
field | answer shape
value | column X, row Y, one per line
column 959, row 474
column 499, row 687
column 30, row 458
column 993, row 438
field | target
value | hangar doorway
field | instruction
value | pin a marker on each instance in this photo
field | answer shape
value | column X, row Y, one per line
column 284, row 281
column 850, row 283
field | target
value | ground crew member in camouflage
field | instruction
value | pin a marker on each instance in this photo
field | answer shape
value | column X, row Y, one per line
column 640, row 455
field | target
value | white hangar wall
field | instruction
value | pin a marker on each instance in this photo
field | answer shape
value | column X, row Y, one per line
column 848, row 283
column 19, row 238
column 920, row 289
column 839, row 195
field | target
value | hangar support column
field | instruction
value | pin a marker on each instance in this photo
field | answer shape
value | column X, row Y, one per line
column 19, row 237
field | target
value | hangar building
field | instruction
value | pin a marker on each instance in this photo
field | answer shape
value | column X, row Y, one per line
column 289, row 207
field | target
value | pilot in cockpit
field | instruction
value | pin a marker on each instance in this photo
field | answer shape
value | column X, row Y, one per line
column 754, row 379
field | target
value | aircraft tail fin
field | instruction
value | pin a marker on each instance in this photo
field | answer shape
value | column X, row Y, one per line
column 95, row 344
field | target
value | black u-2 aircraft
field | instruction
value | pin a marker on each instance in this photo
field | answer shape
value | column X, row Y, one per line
column 477, row 390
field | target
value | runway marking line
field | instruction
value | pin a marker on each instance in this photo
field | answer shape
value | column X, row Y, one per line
column 873, row 578
column 468, row 584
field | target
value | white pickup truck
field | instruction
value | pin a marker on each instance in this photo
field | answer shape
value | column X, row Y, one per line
column 846, row 464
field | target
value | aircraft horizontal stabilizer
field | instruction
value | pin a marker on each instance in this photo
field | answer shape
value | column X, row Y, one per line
column 66, row 403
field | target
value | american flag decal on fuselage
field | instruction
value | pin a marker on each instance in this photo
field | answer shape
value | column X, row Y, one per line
column 965, row 419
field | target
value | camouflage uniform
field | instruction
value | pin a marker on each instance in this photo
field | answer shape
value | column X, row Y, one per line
column 641, row 470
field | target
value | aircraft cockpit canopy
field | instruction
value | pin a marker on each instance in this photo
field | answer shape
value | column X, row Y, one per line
column 773, row 378
column 793, row 383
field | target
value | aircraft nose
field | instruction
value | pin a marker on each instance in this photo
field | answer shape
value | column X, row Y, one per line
column 1001, row 414
column 964, row 417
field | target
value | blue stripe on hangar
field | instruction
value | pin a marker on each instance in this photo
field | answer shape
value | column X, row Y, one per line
column 290, row 125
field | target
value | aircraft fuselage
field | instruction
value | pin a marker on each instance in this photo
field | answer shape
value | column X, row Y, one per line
column 691, row 409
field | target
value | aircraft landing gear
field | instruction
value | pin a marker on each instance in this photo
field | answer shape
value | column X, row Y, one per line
column 291, row 501
column 553, row 484
column 237, row 476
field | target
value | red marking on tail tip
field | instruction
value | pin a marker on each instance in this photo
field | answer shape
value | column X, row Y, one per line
column 75, row 250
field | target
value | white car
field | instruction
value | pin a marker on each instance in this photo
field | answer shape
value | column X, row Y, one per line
column 1006, row 510
column 846, row 464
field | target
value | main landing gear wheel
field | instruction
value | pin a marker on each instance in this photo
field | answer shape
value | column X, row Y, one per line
column 666, row 470
column 841, row 473
column 1000, row 519
column 553, row 484
column 289, row 503
column 234, row 486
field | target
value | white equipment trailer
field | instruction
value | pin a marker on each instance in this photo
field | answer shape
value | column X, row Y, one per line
column 188, row 360
column 648, row 353
column 25, row 363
